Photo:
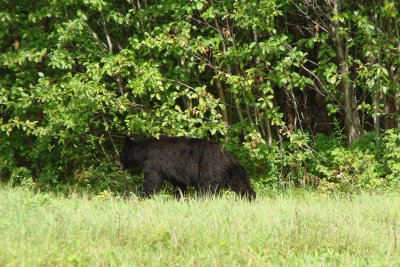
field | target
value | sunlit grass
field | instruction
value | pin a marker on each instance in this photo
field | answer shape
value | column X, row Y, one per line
column 284, row 229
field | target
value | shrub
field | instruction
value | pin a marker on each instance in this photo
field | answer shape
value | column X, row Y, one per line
column 349, row 170
column 391, row 157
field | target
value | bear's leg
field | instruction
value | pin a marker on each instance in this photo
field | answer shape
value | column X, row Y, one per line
column 151, row 185
column 208, row 181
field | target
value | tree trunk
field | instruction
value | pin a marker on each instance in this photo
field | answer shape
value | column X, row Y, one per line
column 268, row 126
column 221, row 95
column 390, row 105
column 289, row 112
column 352, row 120
column 238, row 108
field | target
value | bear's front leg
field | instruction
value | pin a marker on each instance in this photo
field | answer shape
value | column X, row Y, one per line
column 151, row 185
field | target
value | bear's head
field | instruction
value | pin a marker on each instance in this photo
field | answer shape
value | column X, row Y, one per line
column 126, row 153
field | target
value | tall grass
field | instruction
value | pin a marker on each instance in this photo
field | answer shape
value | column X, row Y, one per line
column 45, row 230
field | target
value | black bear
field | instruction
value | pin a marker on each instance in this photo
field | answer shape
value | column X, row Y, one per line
column 185, row 161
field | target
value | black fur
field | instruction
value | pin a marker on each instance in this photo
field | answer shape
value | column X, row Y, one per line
column 185, row 161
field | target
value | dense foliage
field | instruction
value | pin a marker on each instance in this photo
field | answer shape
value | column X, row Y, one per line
column 302, row 92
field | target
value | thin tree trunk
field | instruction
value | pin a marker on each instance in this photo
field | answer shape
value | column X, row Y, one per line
column 391, row 98
column 289, row 112
column 352, row 121
column 238, row 108
column 259, row 123
column 376, row 92
column 221, row 95
column 267, row 120
column 390, row 103
column 376, row 100
column 268, row 127
column 234, row 96
column 397, row 74
column 375, row 116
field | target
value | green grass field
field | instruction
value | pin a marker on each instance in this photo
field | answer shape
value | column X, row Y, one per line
column 280, row 230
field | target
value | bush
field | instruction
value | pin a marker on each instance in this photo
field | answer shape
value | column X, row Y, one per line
column 391, row 157
column 349, row 170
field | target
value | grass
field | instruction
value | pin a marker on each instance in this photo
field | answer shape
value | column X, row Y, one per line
column 279, row 230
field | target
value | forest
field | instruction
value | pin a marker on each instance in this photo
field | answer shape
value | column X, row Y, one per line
column 303, row 93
